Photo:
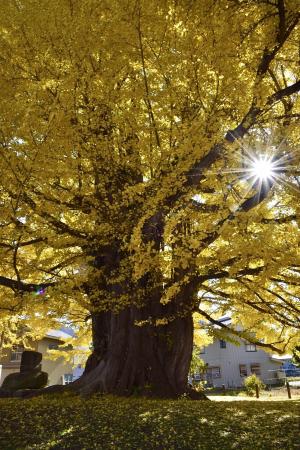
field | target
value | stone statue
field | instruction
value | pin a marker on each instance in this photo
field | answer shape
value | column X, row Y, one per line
column 29, row 377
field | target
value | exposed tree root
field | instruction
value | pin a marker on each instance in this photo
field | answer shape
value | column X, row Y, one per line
column 73, row 388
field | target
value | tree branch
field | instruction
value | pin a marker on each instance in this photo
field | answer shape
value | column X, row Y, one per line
column 23, row 244
column 241, row 334
column 61, row 226
column 19, row 286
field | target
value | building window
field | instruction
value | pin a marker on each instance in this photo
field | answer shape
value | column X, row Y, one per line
column 202, row 351
column 214, row 372
column 255, row 368
column 16, row 353
column 243, row 370
column 67, row 378
column 53, row 346
column 222, row 343
column 250, row 348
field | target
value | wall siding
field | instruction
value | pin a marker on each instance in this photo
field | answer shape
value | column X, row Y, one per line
column 230, row 358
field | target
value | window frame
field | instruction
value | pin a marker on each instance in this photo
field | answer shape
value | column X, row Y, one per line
column 256, row 372
column 16, row 353
column 223, row 343
column 53, row 346
column 67, row 378
column 243, row 368
column 211, row 374
column 249, row 346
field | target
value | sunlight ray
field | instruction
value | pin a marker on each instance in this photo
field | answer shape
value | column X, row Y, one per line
column 288, row 184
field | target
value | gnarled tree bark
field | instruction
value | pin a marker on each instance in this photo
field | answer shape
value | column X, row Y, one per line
column 130, row 359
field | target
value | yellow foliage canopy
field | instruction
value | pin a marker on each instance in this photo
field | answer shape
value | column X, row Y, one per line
column 126, row 133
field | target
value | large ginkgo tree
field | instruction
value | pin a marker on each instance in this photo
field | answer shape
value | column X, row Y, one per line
column 149, row 159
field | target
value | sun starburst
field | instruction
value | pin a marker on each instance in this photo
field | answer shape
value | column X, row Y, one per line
column 263, row 168
column 259, row 168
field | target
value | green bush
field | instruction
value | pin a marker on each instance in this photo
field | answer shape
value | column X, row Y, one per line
column 251, row 382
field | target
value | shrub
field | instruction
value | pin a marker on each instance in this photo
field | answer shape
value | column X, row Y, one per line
column 250, row 383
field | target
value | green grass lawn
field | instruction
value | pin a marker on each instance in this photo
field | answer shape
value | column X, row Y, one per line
column 117, row 423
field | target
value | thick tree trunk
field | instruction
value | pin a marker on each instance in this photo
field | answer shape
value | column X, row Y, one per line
column 146, row 360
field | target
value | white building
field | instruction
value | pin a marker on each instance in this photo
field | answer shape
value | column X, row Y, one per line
column 59, row 370
column 228, row 364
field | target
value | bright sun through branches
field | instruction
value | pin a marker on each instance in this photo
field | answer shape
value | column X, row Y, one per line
column 262, row 168
column 259, row 170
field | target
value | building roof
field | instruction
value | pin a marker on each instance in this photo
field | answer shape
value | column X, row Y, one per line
column 58, row 334
column 281, row 358
column 226, row 320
